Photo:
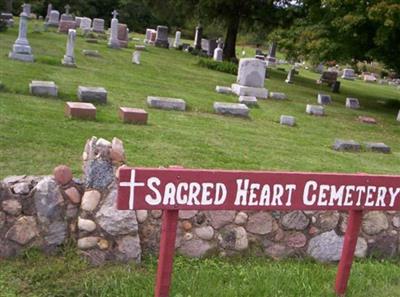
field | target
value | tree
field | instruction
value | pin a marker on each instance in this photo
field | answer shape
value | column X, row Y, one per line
column 345, row 31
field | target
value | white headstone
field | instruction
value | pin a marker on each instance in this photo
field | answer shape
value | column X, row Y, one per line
column 348, row 74
column 69, row 57
column 86, row 23
column 54, row 18
column 21, row 49
column 113, row 41
column 251, row 73
column 218, row 54
column 98, row 25
column 177, row 41
column 136, row 57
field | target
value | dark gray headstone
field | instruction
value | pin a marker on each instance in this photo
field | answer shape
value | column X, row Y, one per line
column 346, row 145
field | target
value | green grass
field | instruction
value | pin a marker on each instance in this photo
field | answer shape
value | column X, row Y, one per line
column 35, row 136
column 36, row 275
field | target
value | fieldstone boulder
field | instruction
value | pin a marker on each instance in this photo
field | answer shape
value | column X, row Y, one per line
column 295, row 220
column 22, row 188
column 128, row 248
column 196, row 248
column 241, row 218
column 327, row 220
column 205, row 232
column 328, row 246
column 88, row 242
column 374, row 222
column 12, row 207
column 113, row 221
column 23, row 231
column 277, row 251
column 99, row 174
column 141, row 215
column 219, row 219
column 384, row 246
column 86, row 225
column 296, row 240
column 187, row 214
column 48, row 200
column 260, row 223
column 56, row 233
column 90, row 200
column 2, row 219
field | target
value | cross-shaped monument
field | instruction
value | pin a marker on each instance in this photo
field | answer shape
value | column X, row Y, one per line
column 114, row 14
column 67, row 8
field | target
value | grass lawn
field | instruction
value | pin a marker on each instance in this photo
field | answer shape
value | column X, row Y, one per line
column 66, row 276
column 35, row 137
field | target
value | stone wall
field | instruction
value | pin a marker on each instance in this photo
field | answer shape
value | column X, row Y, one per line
column 46, row 212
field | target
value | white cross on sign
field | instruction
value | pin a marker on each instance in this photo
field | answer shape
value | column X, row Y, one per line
column 131, row 184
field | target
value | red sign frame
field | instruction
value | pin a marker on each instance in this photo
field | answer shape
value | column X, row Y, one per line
column 175, row 189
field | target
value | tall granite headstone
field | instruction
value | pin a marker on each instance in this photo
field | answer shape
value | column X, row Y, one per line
column 49, row 9
column 113, row 41
column 177, row 41
column 21, row 49
column 98, row 26
column 69, row 57
column 54, row 18
column 271, row 58
column 67, row 16
column 198, row 36
column 123, row 35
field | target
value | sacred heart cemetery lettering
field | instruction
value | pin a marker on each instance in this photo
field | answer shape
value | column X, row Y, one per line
column 144, row 188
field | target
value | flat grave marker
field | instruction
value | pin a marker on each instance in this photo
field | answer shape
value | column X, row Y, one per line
column 166, row 103
column 80, row 110
column 133, row 115
column 234, row 109
column 92, row 94
column 43, row 88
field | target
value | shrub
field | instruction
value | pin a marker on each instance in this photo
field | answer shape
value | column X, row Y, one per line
column 227, row 67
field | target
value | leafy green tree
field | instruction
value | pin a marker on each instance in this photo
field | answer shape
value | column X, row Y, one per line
column 345, row 31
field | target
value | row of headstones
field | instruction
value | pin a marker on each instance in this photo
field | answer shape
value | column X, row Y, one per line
column 68, row 21
column 210, row 47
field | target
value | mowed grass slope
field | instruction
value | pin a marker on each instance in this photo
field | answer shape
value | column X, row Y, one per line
column 67, row 276
column 35, row 136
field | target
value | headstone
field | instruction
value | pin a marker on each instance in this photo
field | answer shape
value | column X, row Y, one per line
column 92, row 94
column 150, row 36
column 317, row 110
column 8, row 17
column 319, row 68
column 336, row 87
column 287, row 120
column 208, row 46
column 78, row 21
column 66, row 16
column 378, row 147
column 26, row 9
column 271, row 58
column 346, row 145
column 248, row 100
column 49, row 9
column 398, row 116
column 197, row 38
column 290, row 76
column 43, row 88
column 98, row 26
column 69, row 57
column 80, row 110
column 218, row 53
column 329, row 77
column 278, row 96
column 348, row 74
column 162, row 37
column 352, row 103
column 369, row 78
column 177, row 41
column 223, row 90
column 54, row 19
column 234, row 109
column 251, row 73
column 21, row 49
column 85, row 24
column 367, row 120
column 113, row 40
column 91, row 53
column 123, row 35
column 65, row 26
column 166, row 103
column 324, row 99
column 133, row 115
column 136, row 57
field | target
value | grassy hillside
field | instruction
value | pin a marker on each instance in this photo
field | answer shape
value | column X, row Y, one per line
column 35, row 136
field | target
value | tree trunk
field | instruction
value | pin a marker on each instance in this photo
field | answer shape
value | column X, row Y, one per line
column 230, row 39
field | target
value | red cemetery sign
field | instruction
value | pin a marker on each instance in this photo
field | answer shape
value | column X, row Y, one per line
column 176, row 189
